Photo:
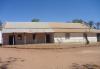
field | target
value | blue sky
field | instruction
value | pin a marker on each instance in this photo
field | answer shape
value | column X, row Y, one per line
column 49, row 10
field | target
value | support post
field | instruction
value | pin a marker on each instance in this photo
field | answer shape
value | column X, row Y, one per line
column 24, row 38
column 45, row 37
column 13, row 39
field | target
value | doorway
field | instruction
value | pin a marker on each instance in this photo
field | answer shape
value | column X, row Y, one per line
column 98, row 37
column 48, row 38
column 11, row 40
column 39, row 38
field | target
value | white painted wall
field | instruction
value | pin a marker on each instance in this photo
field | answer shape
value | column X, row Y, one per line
column 92, row 37
column 74, row 38
column 0, row 37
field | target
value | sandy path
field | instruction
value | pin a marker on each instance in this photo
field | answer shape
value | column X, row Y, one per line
column 50, row 58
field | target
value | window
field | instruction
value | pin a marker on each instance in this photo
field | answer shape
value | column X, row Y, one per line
column 33, row 36
column 67, row 36
column 19, row 37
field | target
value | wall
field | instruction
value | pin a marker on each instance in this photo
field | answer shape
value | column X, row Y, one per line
column 39, row 38
column 58, row 38
column 0, row 37
column 92, row 37
column 5, row 38
column 74, row 38
column 17, row 41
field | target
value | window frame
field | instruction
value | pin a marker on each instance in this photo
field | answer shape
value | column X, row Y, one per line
column 19, row 37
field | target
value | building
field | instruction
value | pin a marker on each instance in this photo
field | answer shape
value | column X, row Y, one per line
column 15, row 33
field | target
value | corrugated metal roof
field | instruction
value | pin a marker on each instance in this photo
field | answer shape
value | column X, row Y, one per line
column 26, row 30
column 68, row 25
column 33, row 27
column 77, row 30
column 26, row 25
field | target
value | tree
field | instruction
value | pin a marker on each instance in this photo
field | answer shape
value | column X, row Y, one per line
column 78, row 21
column 90, row 23
column 98, row 25
column 35, row 20
column 86, row 38
column 0, row 23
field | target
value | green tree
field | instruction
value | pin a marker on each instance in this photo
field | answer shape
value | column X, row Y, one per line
column 91, row 25
column 78, row 21
column 0, row 23
column 35, row 20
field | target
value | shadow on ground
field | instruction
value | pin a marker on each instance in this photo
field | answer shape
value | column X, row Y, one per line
column 10, row 60
column 84, row 66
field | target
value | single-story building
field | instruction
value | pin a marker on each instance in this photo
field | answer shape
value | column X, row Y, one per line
column 14, row 33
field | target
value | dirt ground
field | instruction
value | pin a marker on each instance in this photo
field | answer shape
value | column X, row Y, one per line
column 11, row 58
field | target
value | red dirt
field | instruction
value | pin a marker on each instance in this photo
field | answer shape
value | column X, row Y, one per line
column 49, row 58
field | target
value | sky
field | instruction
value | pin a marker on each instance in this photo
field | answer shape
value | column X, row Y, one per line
column 49, row 10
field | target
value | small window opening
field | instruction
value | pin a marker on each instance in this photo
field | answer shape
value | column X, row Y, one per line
column 19, row 37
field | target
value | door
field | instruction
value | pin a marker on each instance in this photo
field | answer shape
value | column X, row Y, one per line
column 11, row 40
column 98, row 37
column 40, row 38
column 48, row 39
